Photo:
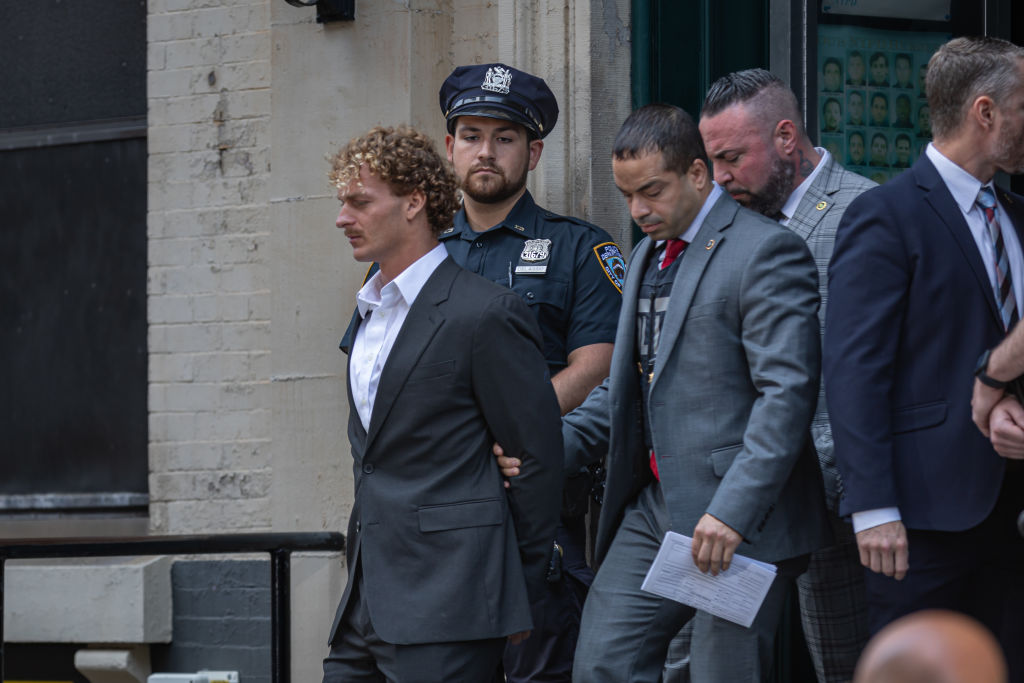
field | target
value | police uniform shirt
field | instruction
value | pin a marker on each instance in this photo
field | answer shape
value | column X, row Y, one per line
column 568, row 271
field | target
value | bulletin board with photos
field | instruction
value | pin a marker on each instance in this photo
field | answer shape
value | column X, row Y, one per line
column 872, row 112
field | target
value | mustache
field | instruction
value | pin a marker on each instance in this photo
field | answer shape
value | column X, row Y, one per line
column 736, row 189
column 485, row 167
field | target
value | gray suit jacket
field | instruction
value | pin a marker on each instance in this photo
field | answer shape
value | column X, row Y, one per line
column 732, row 396
column 446, row 553
column 816, row 219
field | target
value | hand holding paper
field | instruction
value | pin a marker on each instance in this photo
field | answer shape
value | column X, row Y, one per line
column 735, row 594
column 714, row 542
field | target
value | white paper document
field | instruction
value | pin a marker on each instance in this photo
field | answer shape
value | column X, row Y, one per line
column 735, row 594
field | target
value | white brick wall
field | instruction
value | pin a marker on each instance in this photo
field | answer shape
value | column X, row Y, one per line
column 209, row 275
column 249, row 284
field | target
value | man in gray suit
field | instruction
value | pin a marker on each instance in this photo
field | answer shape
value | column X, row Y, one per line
column 706, row 412
column 763, row 157
column 443, row 563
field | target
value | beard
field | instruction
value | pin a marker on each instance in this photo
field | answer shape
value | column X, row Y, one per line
column 1011, row 145
column 492, row 189
column 769, row 199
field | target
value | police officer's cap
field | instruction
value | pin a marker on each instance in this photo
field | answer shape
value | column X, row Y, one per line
column 500, row 92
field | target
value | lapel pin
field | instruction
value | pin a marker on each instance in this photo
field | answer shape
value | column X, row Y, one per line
column 519, row 228
column 821, row 206
column 709, row 245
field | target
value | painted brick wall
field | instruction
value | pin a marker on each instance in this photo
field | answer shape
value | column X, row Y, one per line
column 221, row 619
column 209, row 277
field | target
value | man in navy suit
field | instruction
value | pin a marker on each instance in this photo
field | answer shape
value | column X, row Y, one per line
column 927, row 274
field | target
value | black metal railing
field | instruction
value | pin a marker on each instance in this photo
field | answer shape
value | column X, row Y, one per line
column 280, row 546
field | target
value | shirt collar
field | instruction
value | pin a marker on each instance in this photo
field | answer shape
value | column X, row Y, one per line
column 789, row 208
column 519, row 220
column 406, row 286
column 698, row 220
column 962, row 185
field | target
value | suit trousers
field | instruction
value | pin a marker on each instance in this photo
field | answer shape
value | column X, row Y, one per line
column 358, row 655
column 546, row 656
column 833, row 613
column 833, row 606
column 979, row 572
column 625, row 633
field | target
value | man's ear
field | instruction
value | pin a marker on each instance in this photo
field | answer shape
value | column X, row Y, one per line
column 699, row 174
column 416, row 201
column 984, row 111
column 536, row 147
column 784, row 137
column 449, row 146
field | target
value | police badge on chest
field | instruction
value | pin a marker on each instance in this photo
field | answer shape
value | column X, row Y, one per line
column 534, row 258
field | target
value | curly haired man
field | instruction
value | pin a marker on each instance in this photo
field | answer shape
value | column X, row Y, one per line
column 443, row 561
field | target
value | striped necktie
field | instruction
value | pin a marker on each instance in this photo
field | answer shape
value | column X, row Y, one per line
column 1004, row 284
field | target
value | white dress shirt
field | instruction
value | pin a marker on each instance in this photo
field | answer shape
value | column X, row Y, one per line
column 383, row 310
column 964, row 187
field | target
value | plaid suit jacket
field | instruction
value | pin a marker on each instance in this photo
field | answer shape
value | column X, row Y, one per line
column 816, row 219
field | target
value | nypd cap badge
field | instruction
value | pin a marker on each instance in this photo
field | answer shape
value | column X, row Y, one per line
column 497, row 79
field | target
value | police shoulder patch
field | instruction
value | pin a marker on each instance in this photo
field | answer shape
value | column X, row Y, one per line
column 612, row 262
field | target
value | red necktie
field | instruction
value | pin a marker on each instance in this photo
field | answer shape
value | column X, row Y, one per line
column 673, row 248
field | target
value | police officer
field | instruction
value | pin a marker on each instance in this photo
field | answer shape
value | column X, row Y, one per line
column 567, row 270
column 570, row 274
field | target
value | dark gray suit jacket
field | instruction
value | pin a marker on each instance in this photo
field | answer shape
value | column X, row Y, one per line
column 446, row 553
column 732, row 396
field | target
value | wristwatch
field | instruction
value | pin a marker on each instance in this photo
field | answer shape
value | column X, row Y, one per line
column 980, row 372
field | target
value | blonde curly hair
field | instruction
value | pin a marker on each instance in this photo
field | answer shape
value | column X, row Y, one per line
column 406, row 160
